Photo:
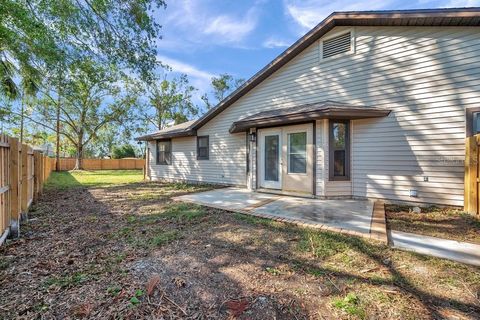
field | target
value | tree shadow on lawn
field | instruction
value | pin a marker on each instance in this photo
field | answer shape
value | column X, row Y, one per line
column 92, row 255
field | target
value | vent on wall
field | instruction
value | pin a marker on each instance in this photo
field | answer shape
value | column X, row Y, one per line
column 337, row 45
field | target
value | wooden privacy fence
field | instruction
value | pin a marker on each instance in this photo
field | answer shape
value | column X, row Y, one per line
column 103, row 164
column 22, row 175
column 472, row 177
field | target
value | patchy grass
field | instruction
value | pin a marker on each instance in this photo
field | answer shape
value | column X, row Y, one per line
column 447, row 223
column 123, row 250
column 95, row 178
column 350, row 304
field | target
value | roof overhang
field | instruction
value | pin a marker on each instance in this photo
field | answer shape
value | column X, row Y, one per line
column 450, row 17
column 167, row 135
column 322, row 111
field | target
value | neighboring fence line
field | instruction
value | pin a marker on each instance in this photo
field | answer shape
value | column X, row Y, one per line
column 103, row 164
column 22, row 175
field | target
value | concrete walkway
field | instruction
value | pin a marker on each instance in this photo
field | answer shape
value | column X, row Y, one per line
column 346, row 216
column 464, row 252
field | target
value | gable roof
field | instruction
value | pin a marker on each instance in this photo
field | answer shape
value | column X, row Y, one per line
column 427, row 17
column 424, row 17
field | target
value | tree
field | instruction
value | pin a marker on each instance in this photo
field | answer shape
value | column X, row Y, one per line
column 52, row 33
column 169, row 102
column 222, row 86
column 125, row 151
column 96, row 96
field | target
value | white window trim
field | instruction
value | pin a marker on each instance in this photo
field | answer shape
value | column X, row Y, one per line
column 334, row 35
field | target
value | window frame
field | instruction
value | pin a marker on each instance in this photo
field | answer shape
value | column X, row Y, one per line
column 207, row 157
column 469, row 112
column 331, row 154
column 157, row 153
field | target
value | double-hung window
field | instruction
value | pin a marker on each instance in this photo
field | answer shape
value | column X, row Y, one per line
column 164, row 152
column 202, row 148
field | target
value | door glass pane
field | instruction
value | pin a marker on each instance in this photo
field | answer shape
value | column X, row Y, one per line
column 476, row 122
column 297, row 152
column 271, row 158
column 339, row 163
column 339, row 149
column 339, row 135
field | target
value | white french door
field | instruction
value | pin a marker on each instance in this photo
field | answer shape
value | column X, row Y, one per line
column 286, row 158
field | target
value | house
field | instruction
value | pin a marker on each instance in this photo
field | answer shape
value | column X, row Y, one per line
column 370, row 104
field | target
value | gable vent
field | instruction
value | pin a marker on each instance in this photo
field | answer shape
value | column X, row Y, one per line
column 337, row 45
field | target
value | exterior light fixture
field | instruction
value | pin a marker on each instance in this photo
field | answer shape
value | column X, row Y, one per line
column 253, row 137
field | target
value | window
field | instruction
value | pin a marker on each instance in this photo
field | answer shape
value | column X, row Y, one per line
column 202, row 148
column 472, row 121
column 339, row 150
column 164, row 152
column 337, row 45
column 297, row 152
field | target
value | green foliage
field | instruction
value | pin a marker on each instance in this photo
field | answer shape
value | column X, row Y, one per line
column 134, row 300
column 51, row 33
column 169, row 101
column 222, row 85
column 273, row 271
column 125, row 151
column 351, row 305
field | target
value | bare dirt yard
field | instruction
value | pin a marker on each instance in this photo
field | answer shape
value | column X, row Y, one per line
column 104, row 250
column 447, row 223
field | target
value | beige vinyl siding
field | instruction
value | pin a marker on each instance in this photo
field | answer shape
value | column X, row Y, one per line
column 185, row 166
column 426, row 75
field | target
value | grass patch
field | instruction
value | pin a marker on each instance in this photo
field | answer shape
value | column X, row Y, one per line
column 67, row 281
column 256, row 220
column 351, row 305
column 164, row 238
column 96, row 178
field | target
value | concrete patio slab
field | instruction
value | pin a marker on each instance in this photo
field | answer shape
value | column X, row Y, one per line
column 228, row 198
column 464, row 252
column 351, row 215
column 348, row 216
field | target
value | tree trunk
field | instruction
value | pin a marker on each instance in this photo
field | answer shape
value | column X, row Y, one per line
column 57, row 144
column 22, row 120
column 79, row 158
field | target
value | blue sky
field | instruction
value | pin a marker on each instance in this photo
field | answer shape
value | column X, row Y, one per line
column 203, row 38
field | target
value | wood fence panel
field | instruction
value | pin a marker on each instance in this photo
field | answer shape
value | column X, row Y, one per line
column 22, row 174
column 5, row 189
column 67, row 164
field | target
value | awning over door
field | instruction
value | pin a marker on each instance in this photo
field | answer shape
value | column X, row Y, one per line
column 307, row 112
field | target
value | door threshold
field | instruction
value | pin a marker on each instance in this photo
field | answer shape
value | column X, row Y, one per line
column 286, row 193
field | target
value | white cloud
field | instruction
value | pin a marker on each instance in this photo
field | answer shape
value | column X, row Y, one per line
column 182, row 67
column 232, row 29
column 199, row 22
column 273, row 42
column 309, row 13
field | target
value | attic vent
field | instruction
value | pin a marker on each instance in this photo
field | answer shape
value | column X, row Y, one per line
column 337, row 45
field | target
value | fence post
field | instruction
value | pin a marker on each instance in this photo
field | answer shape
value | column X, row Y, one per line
column 24, row 179
column 471, row 175
column 14, row 185
column 35, row 175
